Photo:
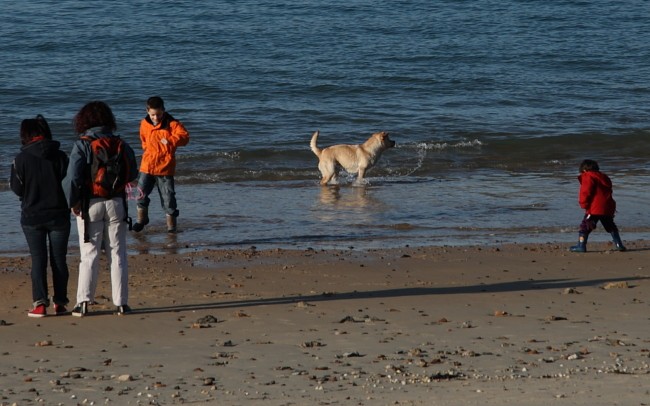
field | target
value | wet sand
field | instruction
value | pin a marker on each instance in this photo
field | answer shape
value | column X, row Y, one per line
column 496, row 325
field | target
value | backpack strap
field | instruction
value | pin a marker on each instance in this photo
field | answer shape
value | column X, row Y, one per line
column 129, row 221
column 85, row 194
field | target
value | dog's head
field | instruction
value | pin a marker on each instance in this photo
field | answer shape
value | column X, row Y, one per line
column 384, row 139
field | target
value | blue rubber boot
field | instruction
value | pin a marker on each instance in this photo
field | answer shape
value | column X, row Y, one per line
column 617, row 242
column 581, row 246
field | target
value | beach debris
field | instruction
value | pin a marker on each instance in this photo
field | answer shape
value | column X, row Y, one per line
column 614, row 342
column 302, row 304
column 207, row 319
column 209, row 381
column 241, row 314
column 571, row 291
column 447, row 375
column 222, row 354
column 43, row 343
column 71, row 375
column 365, row 319
column 501, row 313
column 312, row 344
column 125, row 378
column 554, row 318
column 416, row 352
column 616, row 285
column 350, row 355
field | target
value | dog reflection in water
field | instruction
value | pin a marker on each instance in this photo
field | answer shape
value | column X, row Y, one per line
column 352, row 197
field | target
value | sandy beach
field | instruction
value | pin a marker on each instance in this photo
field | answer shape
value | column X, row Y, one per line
column 496, row 325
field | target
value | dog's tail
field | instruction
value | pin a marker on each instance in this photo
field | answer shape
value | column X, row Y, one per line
column 313, row 145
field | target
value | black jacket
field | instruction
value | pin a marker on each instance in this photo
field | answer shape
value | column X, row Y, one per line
column 36, row 176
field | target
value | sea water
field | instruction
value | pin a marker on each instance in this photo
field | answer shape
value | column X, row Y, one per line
column 493, row 105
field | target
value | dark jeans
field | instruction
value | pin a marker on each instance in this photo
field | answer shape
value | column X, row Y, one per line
column 57, row 231
column 589, row 224
column 166, row 190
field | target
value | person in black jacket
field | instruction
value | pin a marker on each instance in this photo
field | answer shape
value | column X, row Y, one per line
column 36, row 176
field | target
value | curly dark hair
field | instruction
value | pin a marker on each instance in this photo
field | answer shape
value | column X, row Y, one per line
column 31, row 128
column 94, row 114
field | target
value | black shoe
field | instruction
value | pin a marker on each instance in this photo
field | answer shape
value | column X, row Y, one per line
column 80, row 310
column 137, row 227
column 123, row 310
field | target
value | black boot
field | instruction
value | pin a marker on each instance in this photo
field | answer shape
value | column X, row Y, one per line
column 581, row 246
column 143, row 219
column 617, row 242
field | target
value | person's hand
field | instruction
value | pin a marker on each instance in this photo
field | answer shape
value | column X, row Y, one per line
column 76, row 210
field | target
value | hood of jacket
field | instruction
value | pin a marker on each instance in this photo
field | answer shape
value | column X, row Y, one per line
column 596, row 177
column 97, row 132
column 164, row 122
column 45, row 149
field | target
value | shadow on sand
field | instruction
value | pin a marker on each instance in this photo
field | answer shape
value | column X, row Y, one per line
column 518, row 286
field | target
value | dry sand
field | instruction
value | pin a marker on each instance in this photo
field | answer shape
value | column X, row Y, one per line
column 508, row 325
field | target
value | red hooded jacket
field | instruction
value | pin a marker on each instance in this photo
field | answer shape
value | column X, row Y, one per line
column 596, row 194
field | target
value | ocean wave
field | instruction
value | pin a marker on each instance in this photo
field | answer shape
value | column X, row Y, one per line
column 449, row 145
column 437, row 158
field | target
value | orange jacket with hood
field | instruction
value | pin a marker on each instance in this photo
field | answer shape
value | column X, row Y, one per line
column 159, row 143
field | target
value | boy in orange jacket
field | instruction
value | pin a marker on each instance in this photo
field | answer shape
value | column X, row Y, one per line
column 160, row 134
column 596, row 199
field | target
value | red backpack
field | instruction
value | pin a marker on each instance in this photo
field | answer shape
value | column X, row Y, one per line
column 109, row 168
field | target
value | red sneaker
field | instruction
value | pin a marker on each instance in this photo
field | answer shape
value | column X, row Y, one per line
column 60, row 309
column 38, row 311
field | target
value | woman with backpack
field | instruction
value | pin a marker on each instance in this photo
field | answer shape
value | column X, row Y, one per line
column 101, row 164
column 36, row 176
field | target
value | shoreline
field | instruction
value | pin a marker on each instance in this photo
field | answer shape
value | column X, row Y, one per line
column 501, row 209
column 508, row 324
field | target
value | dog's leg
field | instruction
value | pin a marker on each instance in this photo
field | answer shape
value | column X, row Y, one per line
column 328, row 172
column 327, row 178
column 361, row 176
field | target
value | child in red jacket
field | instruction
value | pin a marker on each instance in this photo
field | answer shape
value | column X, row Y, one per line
column 596, row 198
